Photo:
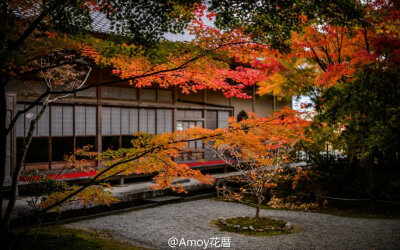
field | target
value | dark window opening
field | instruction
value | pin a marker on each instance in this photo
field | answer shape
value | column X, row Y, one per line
column 242, row 116
column 61, row 147
column 126, row 141
column 84, row 141
column 110, row 142
column 38, row 150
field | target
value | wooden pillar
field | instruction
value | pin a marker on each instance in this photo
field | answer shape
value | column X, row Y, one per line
column 50, row 143
column 217, row 187
column 139, row 95
column 98, row 138
column 273, row 102
column 253, row 100
column 205, row 108
column 11, row 154
column 73, row 127
column 121, row 181
column 175, row 111
column 205, row 120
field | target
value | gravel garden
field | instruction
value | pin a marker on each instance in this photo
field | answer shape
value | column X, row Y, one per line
column 206, row 219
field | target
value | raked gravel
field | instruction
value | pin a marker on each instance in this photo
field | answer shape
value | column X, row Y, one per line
column 192, row 221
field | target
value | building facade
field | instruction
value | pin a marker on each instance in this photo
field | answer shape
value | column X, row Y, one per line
column 108, row 116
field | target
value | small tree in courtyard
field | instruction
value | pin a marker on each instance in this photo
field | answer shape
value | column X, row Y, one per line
column 260, row 149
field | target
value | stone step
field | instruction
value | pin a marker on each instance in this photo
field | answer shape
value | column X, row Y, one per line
column 161, row 199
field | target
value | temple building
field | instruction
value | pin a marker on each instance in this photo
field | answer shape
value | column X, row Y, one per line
column 108, row 116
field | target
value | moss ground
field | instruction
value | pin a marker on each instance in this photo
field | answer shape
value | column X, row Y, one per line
column 261, row 223
column 60, row 237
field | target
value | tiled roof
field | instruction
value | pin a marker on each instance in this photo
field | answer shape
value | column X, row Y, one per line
column 100, row 23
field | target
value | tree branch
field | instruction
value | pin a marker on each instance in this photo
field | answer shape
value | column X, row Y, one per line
column 14, row 45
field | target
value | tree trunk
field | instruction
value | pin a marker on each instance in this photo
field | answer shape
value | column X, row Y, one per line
column 15, row 177
column 257, row 212
column 258, row 207
column 3, row 138
column 18, row 167
column 371, row 182
column 3, row 150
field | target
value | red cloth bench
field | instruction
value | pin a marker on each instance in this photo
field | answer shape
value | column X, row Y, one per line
column 87, row 174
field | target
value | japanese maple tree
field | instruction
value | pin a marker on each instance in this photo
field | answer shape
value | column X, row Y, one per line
column 261, row 149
